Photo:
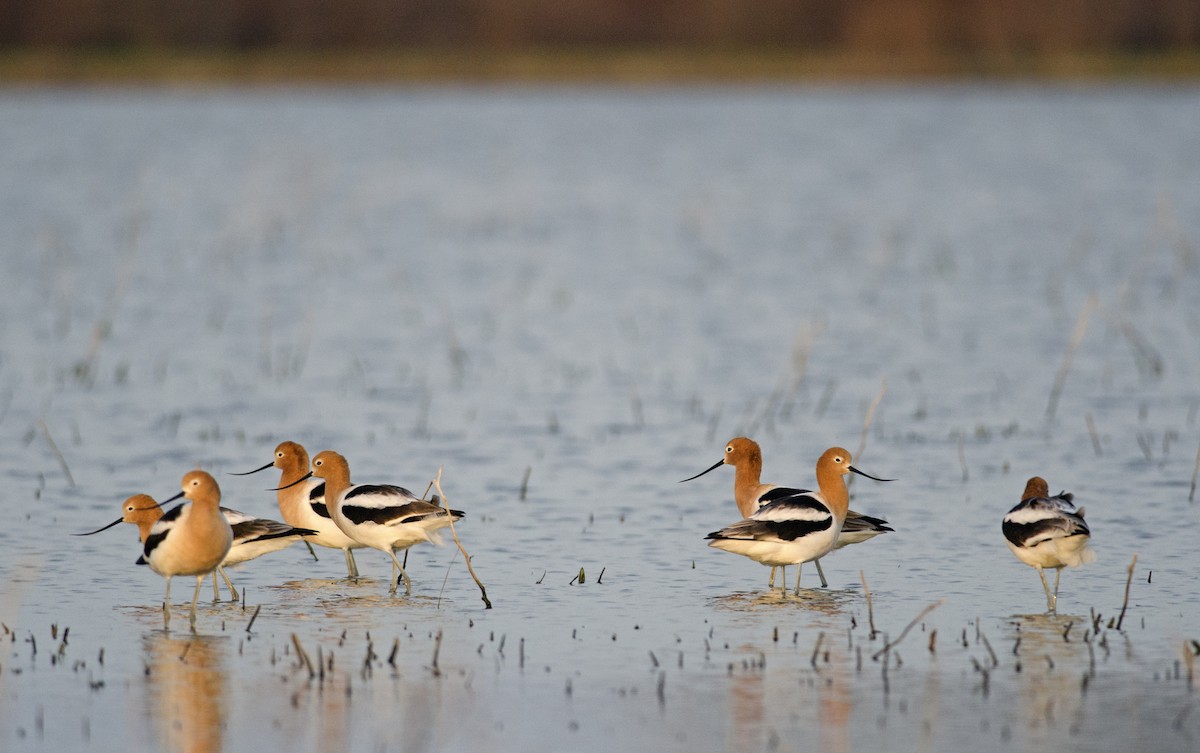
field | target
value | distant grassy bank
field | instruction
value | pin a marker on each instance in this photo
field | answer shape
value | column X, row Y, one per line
column 568, row 65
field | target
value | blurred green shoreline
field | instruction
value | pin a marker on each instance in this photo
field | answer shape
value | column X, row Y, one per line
column 46, row 66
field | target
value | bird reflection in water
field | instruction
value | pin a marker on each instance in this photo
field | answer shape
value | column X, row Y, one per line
column 185, row 698
column 1052, row 655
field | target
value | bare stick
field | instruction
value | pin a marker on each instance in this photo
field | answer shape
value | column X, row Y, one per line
column 904, row 632
column 466, row 557
column 1149, row 362
column 1060, row 378
column 1128, row 581
column 816, row 650
column 862, row 445
column 525, row 481
column 1091, row 424
column 254, row 617
column 303, row 655
column 62, row 461
column 870, row 610
column 802, row 345
column 437, row 647
column 988, row 645
column 1195, row 472
column 826, row 398
column 962, row 456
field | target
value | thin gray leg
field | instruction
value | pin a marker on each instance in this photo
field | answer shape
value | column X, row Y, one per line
column 195, row 598
column 167, row 605
column 407, row 582
column 232, row 591
column 1051, row 600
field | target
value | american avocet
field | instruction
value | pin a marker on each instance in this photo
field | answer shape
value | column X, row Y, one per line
column 1045, row 531
column 252, row 537
column 749, row 493
column 382, row 517
column 190, row 539
column 303, row 505
column 794, row 526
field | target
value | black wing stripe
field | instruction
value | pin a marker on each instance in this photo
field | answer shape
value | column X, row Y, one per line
column 384, row 489
column 1022, row 534
column 781, row 492
column 316, row 500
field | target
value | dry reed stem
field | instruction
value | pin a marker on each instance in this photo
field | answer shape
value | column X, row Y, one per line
column 1076, row 340
column 802, row 345
column 1091, row 426
column 870, row 418
column 891, row 644
column 254, row 617
column 62, row 461
column 870, row 609
column 1128, row 581
column 437, row 482
column 1195, row 472
column 303, row 655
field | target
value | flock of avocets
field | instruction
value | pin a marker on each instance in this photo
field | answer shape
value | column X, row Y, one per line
column 780, row 526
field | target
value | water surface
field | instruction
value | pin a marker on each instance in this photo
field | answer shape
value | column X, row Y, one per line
column 599, row 288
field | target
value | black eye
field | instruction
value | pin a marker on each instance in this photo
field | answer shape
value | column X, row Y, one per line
column 729, row 448
column 279, row 454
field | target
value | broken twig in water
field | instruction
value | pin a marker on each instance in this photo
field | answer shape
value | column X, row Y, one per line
column 867, row 421
column 62, row 461
column 1091, row 426
column 525, row 481
column 908, row 627
column 870, row 610
column 253, row 618
column 466, row 557
column 1195, row 472
column 303, row 656
column 1060, row 378
column 1128, row 581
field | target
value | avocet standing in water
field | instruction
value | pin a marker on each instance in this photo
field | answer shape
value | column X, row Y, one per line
column 252, row 537
column 1048, row 532
column 303, row 505
column 749, row 493
column 383, row 517
column 794, row 526
column 190, row 539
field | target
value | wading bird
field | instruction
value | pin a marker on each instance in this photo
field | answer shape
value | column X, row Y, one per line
column 1048, row 532
column 750, row 494
column 303, row 505
column 794, row 526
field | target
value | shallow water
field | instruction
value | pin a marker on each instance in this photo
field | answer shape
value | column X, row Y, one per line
column 600, row 287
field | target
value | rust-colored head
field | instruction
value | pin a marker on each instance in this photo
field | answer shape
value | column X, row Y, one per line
column 139, row 508
column 329, row 465
column 292, row 459
column 1036, row 487
column 742, row 454
column 200, row 488
column 740, row 450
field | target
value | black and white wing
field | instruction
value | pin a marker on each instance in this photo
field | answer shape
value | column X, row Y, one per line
column 1039, row 519
column 785, row 515
column 160, row 530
